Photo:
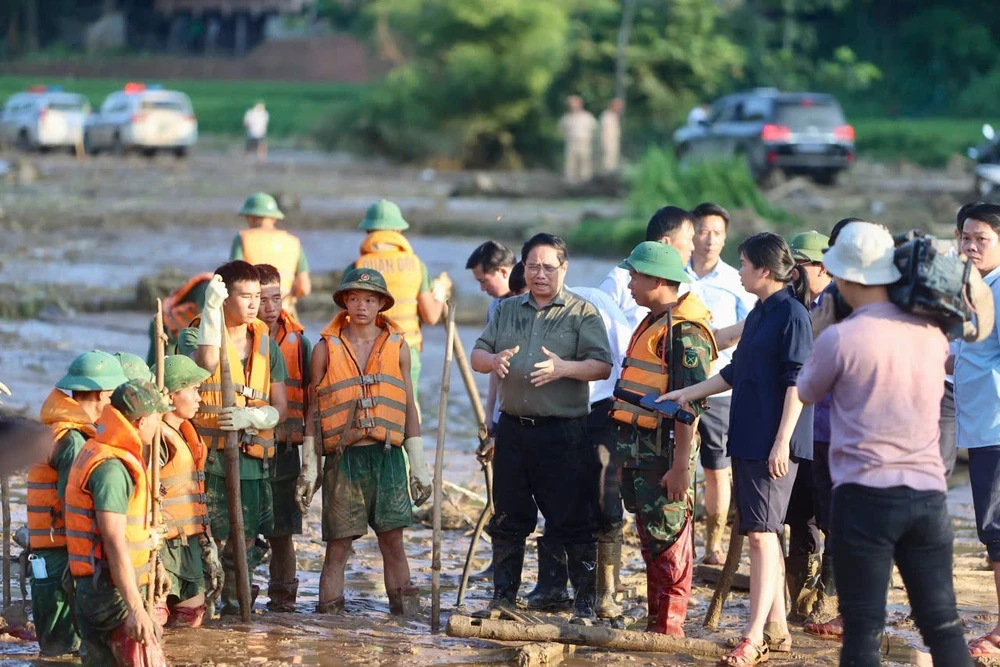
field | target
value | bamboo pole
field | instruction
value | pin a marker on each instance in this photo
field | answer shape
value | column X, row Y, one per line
column 725, row 582
column 234, row 500
column 159, row 340
column 5, row 489
column 438, row 471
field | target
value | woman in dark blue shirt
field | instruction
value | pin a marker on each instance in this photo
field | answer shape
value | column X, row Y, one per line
column 766, row 435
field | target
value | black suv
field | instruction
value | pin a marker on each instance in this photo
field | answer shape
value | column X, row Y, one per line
column 797, row 133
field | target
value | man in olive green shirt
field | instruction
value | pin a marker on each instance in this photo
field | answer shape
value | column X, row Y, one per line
column 545, row 346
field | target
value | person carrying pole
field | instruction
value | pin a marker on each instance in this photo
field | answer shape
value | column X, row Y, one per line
column 108, row 532
column 367, row 417
column 232, row 300
column 91, row 379
column 672, row 347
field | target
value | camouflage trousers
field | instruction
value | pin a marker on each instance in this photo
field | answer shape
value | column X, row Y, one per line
column 659, row 521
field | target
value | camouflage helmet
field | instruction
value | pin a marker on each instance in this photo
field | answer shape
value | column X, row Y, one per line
column 262, row 205
column 383, row 215
column 363, row 279
column 93, row 371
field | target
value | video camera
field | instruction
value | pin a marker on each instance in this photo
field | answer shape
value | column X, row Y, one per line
column 933, row 285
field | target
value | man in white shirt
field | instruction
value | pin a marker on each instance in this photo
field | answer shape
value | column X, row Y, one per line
column 255, row 121
column 611, row 136
column 718, row 285
column 671, row 225
column 577, row 126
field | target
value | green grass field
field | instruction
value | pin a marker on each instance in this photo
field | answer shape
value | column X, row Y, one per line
column 295, row 108
column 926, row 141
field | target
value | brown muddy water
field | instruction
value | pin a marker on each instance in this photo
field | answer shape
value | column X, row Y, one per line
column 76, row 252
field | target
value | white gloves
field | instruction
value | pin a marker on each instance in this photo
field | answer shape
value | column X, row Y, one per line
column 441, row 288
column 210, row 329
column 308, row 482
column 420, row 476
column 4, row 390
column 248, row 419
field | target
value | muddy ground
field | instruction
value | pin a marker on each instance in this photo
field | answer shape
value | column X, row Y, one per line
column 74, row 232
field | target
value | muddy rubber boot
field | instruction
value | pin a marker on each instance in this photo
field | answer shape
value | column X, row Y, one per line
column 802, row 576
column 508, row 560
column 282, row 594
column 485, row 575
column 825, row 607
column 581, row 561
column 334, row 607
column 404, row 602
column 715, row 527
column 608, row 560
column 550, row 592
column 229, row 595
column 668, row 577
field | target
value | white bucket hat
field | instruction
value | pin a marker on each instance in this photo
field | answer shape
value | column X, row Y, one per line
column 863, row 254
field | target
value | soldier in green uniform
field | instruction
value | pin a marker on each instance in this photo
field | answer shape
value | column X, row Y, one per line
column 659, row 454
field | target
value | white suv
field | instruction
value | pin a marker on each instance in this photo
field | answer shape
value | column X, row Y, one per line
column 144, row 118
column 42, row 118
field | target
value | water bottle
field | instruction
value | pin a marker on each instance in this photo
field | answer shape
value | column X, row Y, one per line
column 38, row 569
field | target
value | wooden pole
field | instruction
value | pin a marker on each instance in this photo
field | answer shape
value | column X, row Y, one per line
column 234, row 500
column 485, row 516
column 438, row 470
column 725, row 582
column 598, row 637
column 159, row 340
column 5, row 489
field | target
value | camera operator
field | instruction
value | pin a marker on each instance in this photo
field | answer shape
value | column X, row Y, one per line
column 977, row 392
column 889, row 485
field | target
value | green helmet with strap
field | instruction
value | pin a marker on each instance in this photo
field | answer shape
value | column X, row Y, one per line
column 262, row 205
column 93, row 371
column 383, row 215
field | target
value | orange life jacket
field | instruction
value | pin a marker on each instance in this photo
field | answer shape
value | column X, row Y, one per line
column 390, row 254
column 646, row 367
column 275, row 247
column 253, row 392
column 289, row 339
column 182, row 478
column 379, row 391
column 116, row 439
column 46, row 525
column 178, row 313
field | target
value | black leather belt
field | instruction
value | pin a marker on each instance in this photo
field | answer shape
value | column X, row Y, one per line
column 533, row 421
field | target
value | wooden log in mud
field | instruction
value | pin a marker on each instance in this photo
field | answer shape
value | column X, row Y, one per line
column 542, row 654
column 597, row 637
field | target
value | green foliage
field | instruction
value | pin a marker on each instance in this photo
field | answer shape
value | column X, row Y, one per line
column 929, row 142
column 476, row 75
column 660, row 180
column 295, row 108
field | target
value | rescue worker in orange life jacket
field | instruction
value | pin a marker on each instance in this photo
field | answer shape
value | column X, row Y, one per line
column 368, row 417
column 283, row 586
column 190, row 557
column 417, row 298
column 179, row 308
column 108, row 532
column 258, row 370
column 263, row 243
column 91, row 378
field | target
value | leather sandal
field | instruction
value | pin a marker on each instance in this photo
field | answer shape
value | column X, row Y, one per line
column 775, row 643
column 746, row 654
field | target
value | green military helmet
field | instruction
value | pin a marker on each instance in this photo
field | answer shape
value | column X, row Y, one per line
column 383, row 215
column 137, row 399
column 809, row 246
column 133, row 366
column 180, row 372
column 93, row 371
column 262, row 205
column 656, row 259
column 363, row 279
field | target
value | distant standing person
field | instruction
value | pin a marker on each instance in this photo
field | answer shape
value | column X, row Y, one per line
column 255, row 120
column 577, row 127
column 698, row 115
column 611, row 136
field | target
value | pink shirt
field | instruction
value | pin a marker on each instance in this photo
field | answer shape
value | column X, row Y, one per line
column 885, row 371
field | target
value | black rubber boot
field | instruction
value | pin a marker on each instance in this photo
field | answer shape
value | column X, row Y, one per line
column 508, row 560
column 581, row 561
column 550, row 592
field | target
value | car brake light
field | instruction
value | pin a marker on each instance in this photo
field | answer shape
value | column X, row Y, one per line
column 772, row 157
column 844, row 133
column 775, row 133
